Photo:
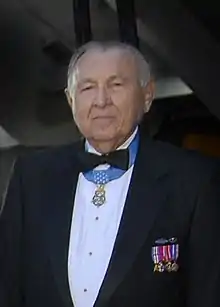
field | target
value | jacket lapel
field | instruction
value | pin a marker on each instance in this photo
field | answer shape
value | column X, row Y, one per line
column 59, row 202
column 145, row 197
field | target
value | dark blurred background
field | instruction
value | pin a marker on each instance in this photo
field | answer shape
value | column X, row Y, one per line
column 180, row 39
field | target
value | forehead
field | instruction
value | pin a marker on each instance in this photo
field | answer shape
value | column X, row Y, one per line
column 106, row 63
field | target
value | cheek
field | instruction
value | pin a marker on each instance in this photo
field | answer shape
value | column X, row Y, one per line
column 128, row 107
column 81, row 114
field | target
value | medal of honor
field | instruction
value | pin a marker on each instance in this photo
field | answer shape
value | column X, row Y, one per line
column 99, row 197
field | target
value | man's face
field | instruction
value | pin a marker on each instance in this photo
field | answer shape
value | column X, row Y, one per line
column 109, row 99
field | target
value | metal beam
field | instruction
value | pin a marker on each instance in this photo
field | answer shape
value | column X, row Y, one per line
column 82, row 22
column 171, row 87
column 127, row 22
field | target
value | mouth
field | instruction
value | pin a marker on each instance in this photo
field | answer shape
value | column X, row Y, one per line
column 103, row 121
column 103, row 117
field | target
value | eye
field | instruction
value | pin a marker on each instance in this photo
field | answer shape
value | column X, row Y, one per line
column 117, row 84
column 87, row 88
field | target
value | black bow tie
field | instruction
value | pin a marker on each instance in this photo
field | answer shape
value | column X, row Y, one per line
column 118, row 159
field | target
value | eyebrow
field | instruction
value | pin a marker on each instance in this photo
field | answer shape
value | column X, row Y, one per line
column 111, row 78
column 115, row 77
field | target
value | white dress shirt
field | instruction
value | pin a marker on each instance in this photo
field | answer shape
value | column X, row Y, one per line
column 93, row 233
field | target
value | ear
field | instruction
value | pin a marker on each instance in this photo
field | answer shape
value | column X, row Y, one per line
column 149, row 94
column 69, row 98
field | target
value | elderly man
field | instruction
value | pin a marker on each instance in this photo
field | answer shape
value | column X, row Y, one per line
column 116, row 219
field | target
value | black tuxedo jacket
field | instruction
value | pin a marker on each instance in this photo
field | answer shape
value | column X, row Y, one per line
column 172, row 194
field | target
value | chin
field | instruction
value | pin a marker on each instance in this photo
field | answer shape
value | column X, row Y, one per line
column 104, row 135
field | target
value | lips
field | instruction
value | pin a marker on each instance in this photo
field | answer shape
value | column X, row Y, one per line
column 103, row 117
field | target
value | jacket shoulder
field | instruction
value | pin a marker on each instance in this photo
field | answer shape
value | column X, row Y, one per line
column 184, row 161
column 47, row 158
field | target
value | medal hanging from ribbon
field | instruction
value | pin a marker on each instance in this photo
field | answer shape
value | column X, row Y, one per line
column 100, row 179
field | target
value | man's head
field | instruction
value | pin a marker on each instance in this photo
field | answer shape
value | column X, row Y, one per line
column 109, row 89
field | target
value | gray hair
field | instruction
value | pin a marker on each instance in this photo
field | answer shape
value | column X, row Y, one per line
column 142, row 64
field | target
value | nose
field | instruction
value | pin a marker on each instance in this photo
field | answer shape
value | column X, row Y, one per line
column 102, row 98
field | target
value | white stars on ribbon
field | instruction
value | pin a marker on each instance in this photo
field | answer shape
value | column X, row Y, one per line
column 101, row 177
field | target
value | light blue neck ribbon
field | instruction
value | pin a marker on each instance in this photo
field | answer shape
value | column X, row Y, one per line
column 112, row 173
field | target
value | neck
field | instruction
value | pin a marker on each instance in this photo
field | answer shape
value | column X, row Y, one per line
column 105, row 147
